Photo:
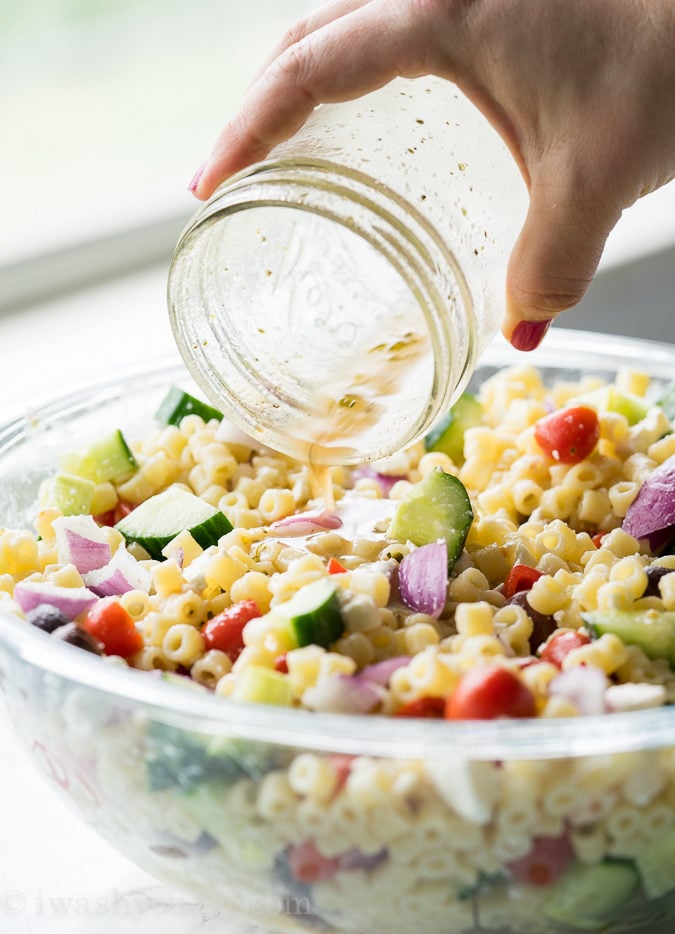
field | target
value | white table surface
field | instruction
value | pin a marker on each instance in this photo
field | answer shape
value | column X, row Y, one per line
column 57, row 876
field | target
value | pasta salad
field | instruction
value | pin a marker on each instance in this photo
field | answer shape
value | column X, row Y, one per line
column 517, row 563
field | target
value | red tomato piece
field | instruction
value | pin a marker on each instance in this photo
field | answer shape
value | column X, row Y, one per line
column 597, row 539
column 105, row 518
column 225, row 631
column 110, row 623
column 568, row 435
column 488, row 692
column 560, row 644
column 546, row 861
column 280, row 664
column 335, row 567
column 428, row 707
column 113, row 516
column 520, row 577
column 342, row 765
column 308, row 865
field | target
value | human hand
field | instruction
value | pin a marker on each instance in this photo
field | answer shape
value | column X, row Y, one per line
column 582, row 94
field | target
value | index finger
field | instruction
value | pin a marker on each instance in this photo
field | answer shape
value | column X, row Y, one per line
column 326, row 14
column 348, row 57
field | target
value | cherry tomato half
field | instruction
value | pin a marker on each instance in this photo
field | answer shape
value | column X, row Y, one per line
column 335, row 566
column 427, row 707
column 487, row 692
column 113, row 516
column 560, row 644
column 308, row 865
column 546, row 861
column 568, row 435
column 226, row 630
column 341, row 763
column 110, row 623
column 520, row 577
column 281, row 664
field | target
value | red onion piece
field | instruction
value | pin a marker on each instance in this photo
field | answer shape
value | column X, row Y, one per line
column 355, row 859
column 549, row 404
column 307, row 523
column 661, row 539
column 653, row 509
column 381, row 672
column 71, row 601
column 342, row 694
column 80, row 541
column 423, row 578
column 584, row 687
column 122, row 574
column 385, row 481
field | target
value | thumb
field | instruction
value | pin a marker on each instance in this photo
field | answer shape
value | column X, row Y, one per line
column 554, row 259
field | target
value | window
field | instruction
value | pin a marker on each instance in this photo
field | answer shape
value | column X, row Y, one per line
column 109, row 105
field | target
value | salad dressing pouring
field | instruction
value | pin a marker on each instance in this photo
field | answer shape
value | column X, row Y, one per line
column 332, row 300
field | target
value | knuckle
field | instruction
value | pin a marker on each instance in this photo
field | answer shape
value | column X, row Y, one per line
column 296, row 66
column 294, row 34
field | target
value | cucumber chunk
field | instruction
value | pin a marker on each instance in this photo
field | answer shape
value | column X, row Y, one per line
column 159, row 519
column 177, row 404
column 437, row 507
column 652, row 630
column 313, row 614
column 261, row 685
column 71, row 494
column 448, row 435
column 611, row 399
column 107, row 459
column 210, row 806
column 589, row 897
column 656, row 864
column 179, row 759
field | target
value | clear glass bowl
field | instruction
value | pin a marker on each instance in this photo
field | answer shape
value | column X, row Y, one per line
column 193, row 787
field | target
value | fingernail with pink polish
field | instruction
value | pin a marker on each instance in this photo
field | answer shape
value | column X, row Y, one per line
column 195, row 178
column 527, row 335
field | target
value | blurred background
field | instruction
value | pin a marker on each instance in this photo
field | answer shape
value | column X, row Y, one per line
column 108, row 107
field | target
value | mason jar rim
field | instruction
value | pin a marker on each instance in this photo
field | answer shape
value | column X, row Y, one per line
column 369, row 209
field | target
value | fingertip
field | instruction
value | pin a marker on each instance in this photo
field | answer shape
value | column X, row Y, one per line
column 206, row 179
column 525, row 328
column 196, row 180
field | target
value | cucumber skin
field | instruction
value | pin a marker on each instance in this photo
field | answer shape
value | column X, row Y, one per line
column 324, row 631
column 205, row 532
column 177, row 404
column 422, row 506
column 320, row 624
column 448, row 435
column 109, row 459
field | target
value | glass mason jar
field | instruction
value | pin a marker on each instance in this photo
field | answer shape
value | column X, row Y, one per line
column 333, row 299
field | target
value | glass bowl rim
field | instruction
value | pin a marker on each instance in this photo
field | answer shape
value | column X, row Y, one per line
column 200, row 711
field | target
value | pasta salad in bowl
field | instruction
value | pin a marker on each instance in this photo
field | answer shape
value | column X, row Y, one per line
column 432, row 692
